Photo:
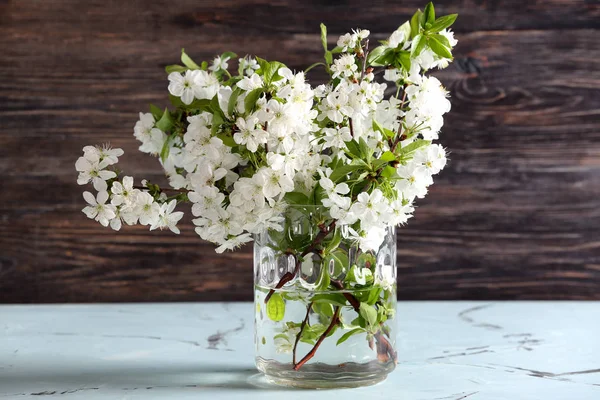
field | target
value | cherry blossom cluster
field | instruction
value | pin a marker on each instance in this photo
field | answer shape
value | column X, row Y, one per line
column 243, row 147
column 127, row 203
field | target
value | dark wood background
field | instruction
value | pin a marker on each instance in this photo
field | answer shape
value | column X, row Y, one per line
column 515, row 215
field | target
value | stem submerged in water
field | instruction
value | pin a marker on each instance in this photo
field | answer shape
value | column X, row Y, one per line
column 288, row 276
column 334, row 321
column 299, row 335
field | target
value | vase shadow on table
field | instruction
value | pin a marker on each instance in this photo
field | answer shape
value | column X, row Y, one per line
column 58, row 378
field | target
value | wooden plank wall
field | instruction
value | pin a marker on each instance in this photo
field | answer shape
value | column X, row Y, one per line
column 515, row 215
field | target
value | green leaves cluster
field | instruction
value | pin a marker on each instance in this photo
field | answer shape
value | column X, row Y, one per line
column 423, row 28
column 188, row 64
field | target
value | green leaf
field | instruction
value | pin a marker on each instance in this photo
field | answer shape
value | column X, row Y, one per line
column 420, row 42
column 227, row 140
column 187, row 61
column 218, row 118
column 443, row 22
column 200, row 104
column 388, row 172
column 369, row 313
column 276, row 307
column 175, row 68
column 438, row 48
column 275, row 66
column 251, row 99
column 156, row 112
column 334, row 242
column 359, row 321
column 365, row 150
column 324, row 309
column 388, row 156
column 344, row 170
column 376, row 53
column 353, row 148
column 233, row 100
column 166, row 121
column 429, row 13
column 384, row 131
column 228, row 54
column 204, row 66
column 296, row 198
column 328, row 58
column 336, row 50
column 443, row 40
column 164, row 152
column 323, row 281
column 197, row 104
column 377, row 127
column 374, row 295
column 410, row 148
column 403, row 58
column 269, row 70
column 264, row 65
column 348, row 334
column 324, row 36
column 336, row 299
column 381, row 56
column 415, row 24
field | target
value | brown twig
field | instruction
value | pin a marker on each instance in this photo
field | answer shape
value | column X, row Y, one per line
column 399, row 137
column 351, row 299
column 266, row 145
column 351, row 127
column 288, row 276
column 162, row 190
column 334, row 320
column 304, row 322
column 366, row 55
column 385, row 350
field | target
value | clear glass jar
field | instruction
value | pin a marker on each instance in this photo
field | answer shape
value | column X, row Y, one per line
column 325, row 310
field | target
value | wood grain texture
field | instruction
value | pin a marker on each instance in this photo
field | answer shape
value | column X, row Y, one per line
column 516, row 214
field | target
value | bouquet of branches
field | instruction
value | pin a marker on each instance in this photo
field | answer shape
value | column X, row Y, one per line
column 242, row 146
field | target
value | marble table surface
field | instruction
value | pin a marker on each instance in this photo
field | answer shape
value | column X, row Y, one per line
column 447, row 350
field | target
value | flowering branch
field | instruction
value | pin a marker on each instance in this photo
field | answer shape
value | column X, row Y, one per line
column 162, row 189
column 242, row 146
column 334, row 320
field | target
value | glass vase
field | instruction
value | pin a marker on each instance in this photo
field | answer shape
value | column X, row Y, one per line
column 325, row 309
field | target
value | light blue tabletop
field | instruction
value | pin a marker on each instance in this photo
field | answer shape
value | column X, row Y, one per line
column 447, row 350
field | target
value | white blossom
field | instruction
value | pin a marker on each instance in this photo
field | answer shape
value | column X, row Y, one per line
column 90, row 168
column 234, row 157
column 347, row 41
column 98, row 209
column 234, row 242
column 344, row 66
column 219, row 63
column 123, row 194
column 275, row 183
column 248, row 134
column 147, row 209
column 369, row 207
column 248, row 65
column 250, row 83
column 184, row 86
column 167, row 218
